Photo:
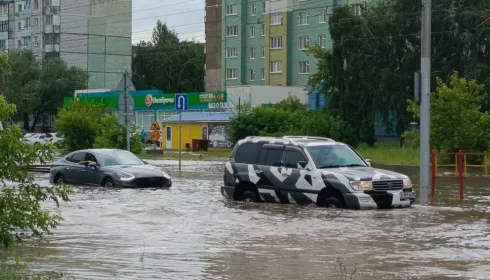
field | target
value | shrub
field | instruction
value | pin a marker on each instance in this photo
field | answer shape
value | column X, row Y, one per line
column 113, row 135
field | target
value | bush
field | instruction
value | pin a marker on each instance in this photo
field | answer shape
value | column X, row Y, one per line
column 80, row 123
column 457, row 119
column 290, row 117
column 113, row 135
column 88, row 125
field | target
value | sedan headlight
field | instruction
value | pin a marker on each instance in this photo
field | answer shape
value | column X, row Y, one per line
column 407, row 184
column 124, row 176
column 361, row 185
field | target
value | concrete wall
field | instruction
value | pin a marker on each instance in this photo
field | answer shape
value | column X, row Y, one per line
column 74, row 29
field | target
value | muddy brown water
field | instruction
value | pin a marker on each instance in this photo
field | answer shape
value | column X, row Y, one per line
column 192, row 232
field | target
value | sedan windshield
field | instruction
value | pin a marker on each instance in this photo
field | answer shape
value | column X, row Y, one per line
column 110, row 158
column 331, row 156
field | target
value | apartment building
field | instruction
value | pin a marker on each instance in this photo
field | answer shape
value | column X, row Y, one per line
column 265, row 42
column 93, row 35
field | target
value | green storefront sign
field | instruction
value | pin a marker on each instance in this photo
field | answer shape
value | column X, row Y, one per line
column 154, row 100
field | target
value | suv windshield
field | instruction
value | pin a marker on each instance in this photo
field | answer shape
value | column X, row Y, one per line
column 119, row 158
column 331, row 156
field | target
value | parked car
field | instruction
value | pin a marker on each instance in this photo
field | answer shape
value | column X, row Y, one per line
column 308, row 170
column 43, row 138
column 108, row 168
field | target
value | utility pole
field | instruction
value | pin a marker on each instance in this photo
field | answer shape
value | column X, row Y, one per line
column 426, row 35
column 126, row 113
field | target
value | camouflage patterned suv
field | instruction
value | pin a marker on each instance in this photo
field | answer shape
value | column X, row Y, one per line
column 306, row 170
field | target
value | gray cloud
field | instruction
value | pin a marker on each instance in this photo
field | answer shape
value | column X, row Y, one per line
column 186, row 17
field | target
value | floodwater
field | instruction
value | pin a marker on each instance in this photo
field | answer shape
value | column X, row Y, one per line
column 192, row 232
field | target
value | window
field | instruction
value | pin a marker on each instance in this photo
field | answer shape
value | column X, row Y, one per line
column 19, row 43
column 48, row 20
column 28, row 23
column 248, row 153
column 322, row 17
column 252, row 31
column 273, row 157
column 77, row 157
column 304, row 67
column 252, row 75
column 28, row 4
column 262, row 74
column 26, row 41
column 231, row 74
column 356, row 9
column 263, row 7
column 276, row 66
column 3, row 44
column 276, row 19
column 232, row 30
column 4, row 8
column 19, row 8
column 263, row 52
column 36, row 21
column 322, row 41
column 162, row 115
column 4, row 26
column 36, row 41
column 304, row 43
column 51, row 39
column 48, row 3
column 276, row 42
column 232, row 10
column 252, row 53
column 19, row 25
column 231, row 52
column 303, row 18
column 292, row 158
column 36, row 4
column 263, row 29
column 144, row 119
column 328, row 155
column 253, row 10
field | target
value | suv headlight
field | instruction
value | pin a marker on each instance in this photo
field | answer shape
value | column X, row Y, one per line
column 361, row 185
column 124, row 176
column 407, row 184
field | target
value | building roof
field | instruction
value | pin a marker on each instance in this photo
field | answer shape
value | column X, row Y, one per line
column 201, row 117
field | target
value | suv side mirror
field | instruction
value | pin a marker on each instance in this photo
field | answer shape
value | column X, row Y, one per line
column 369, row 162
column 303, row 164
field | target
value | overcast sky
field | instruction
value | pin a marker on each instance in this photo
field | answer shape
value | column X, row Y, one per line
column 184, row 16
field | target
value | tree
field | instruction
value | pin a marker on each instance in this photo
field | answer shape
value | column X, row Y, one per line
column 113, row 135
column 38, row 89
column 458, row 121
column 80, row 123
column 290, row 117
column 167, row 63
column 21, row 199
column 369, row 71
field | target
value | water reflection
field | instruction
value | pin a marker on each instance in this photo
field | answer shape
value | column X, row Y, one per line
column 192, row 232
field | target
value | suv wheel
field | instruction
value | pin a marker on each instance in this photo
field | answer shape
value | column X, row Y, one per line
column 250, row 196
column 333, row 202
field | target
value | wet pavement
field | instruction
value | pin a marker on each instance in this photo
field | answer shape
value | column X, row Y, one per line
column 192, row 232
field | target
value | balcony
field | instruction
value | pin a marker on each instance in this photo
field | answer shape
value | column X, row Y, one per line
column 51, row 10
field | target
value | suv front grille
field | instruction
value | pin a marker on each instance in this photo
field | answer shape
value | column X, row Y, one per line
column 387, row 185
column 150, row 182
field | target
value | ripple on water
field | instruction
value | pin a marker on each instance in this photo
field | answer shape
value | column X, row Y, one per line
column 192, row 232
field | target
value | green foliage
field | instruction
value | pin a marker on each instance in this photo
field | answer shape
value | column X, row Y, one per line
column 113, row 135
column 457, row 119
column 80, row 123
column 20, row 196
column 290, row 117
column 167, row 63
column 36, row 88
column 87, row 125
column 370, row 67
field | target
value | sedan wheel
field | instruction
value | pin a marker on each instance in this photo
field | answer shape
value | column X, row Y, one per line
column 108, row 183
column 59, row 180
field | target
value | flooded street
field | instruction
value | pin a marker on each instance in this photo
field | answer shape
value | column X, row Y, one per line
column 192, row 232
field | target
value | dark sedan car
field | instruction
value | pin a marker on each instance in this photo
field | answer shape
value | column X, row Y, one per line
column 109, row 168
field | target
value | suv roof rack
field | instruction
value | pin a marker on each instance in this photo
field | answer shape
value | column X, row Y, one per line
column 293, row 138
column 308, row 138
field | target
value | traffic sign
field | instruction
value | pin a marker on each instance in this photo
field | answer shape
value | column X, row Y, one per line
column 122, row 119
column 181, row 102
column 155, row 136
column 129, row 84
column 126, row 107
column 155, row 126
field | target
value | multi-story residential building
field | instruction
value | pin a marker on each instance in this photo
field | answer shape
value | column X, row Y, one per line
column 92, row 35
column 265, row 42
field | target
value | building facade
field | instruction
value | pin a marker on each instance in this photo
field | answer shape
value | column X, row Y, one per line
column 93, row 35
column 266, row 42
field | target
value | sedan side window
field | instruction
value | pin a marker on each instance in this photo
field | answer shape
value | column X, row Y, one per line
column 78, row 157
column 292, row 158
column 90, row 157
